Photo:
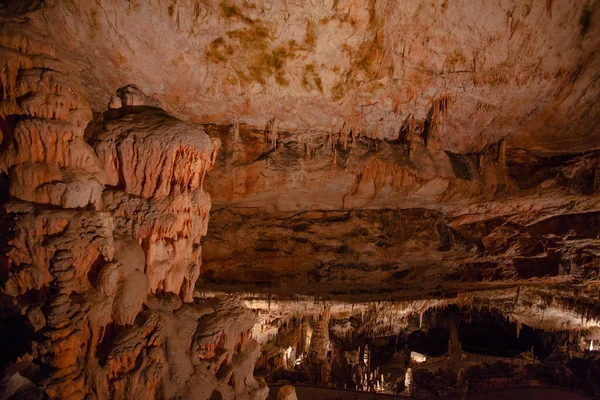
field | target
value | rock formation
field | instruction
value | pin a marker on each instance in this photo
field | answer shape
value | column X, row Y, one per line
column 100, row 278
column 287, row 393
column 407, row 157
column 155, row 167
column 523, row 69
column 377, row 222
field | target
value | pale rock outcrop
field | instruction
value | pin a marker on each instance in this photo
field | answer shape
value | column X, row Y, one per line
column 170, row 346
column 224, row 347
column 124, row 281
column 319, row 352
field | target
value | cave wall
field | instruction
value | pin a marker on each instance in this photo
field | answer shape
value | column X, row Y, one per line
column 348, row 215
column 371, row 149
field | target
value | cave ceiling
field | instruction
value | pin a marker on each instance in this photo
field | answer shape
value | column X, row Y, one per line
column 525, row 71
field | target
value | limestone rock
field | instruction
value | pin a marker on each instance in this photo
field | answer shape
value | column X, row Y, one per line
column 372, row 149
column 151, row 154
column 124, row 280
column 74, row 278
column 157, row 165
column 44, row 114
column 287, row 392
column 524, row 71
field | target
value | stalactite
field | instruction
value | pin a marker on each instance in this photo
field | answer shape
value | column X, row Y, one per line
column 236, row 131
column 549, row 4
column 345, row 141
column 481, row 164
column 435, row 119
column 411, row 145
column 444, row 105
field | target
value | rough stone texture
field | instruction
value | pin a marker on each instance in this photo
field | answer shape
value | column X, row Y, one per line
column 44, row 114
column 305, row 171
column 318, row 353
column 194, row 352
column 300, row 218
column 156, row 165
column 91, row 305
column 375, row 150
column 401, row 252
column 526, row 70
column 365, row 215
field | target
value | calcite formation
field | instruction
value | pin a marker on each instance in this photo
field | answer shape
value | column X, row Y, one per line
column 365, row 342
column 101, row 249
column 155, row 167
column 375, row 221
column 44, row 114
column 522, row 70
column 319, row 351
column 442, row 153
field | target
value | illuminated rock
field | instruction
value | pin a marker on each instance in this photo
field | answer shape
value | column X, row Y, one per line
column 287, row 393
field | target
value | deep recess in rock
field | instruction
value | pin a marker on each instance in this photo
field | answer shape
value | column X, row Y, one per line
column 202, row 199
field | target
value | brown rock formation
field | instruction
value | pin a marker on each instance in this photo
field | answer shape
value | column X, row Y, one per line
column 372, row 150
column 377, row 222
column 156, row 166
column 93, row 279
column 44, row 114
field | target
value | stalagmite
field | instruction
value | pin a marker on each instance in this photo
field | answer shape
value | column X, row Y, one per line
column 408, row 382
column 287, row 393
